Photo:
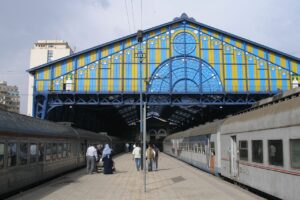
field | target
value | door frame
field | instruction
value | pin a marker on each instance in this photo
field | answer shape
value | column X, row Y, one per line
column 234, row 166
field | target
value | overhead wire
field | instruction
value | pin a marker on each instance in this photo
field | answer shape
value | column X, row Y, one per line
column 128, row 21
column 132, row 12
column 141, row 14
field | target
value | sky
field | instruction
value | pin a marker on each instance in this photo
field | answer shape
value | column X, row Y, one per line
column 87, row 23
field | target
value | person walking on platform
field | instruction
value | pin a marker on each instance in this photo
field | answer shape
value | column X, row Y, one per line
column 137, row 156
column 98, row 161
column 91, row 157
column 126, row 147
column 150, row 154
column 99, row 150
column 107, row 160
column 155, row 160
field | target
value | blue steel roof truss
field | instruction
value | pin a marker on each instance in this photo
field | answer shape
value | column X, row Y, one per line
column 184, row 109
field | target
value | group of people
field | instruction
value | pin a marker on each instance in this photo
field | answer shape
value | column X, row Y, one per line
column 94, row 155
column 152, row 153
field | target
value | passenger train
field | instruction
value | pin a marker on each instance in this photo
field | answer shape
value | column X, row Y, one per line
column 32, row 150
column 258, row 148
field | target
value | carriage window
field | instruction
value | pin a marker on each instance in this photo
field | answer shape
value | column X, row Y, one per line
column 81, row 149
column 69, row 150
column 201, row 148
column 11, row 154
column 41, row 152
column 84, row 149
column 33, row 153
column 295, row 153
column 212, row 148
column 1, row 155
column 48, row 152
column 275, row 152
column 59, row 151
column 65, row 149
column 23, row 153
column 243, row 150
column 257, row 151
column 54, row 151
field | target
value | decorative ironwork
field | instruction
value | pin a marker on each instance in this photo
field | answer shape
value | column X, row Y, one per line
column 185, row 75
column 184, row 43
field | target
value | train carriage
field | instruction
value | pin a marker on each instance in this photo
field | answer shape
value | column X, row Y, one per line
column 261, row 148
column 32, row 150
column 198, row 146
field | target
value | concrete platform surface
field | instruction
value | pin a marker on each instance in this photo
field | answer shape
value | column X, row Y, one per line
column 174, row 180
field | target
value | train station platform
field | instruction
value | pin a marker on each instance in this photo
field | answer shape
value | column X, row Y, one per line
column 173, row 180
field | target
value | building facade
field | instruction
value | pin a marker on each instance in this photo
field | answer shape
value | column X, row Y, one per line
column 9, row 97
column 181, row 63
column 42, row 52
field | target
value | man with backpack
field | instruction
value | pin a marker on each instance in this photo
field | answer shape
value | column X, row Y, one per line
column 150, row 154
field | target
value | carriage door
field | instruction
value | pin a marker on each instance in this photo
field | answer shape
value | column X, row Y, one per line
column 233, row 156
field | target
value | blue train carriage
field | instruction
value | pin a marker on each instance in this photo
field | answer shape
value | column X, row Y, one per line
column 199, row 146
column 261, row 148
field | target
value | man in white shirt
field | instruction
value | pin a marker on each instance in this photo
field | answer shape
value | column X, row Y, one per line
column 91, row 157
column 137, row 156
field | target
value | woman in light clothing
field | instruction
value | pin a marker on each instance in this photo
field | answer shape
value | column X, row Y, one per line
column 137, row 156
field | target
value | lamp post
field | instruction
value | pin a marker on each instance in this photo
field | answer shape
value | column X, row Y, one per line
column 142, row 112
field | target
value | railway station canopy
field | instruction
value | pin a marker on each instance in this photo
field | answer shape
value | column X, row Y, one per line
column 187, row 72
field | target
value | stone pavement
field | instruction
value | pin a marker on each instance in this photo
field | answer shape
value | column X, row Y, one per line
column 174, row 180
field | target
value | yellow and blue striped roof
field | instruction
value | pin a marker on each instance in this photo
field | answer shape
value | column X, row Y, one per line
column 240, row 64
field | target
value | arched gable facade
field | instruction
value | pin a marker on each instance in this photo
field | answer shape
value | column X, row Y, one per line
column 182, row 56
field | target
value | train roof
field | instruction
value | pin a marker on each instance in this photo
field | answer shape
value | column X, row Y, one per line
column 277, row 97
column 208, row 128
column 21, row 124
column 86, row 134
column 282, row 111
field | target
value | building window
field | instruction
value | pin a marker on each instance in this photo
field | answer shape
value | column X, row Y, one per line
column 50, row 56
column 295, row 153
column 243, row 148
column 275, row 152
column 257, row 151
